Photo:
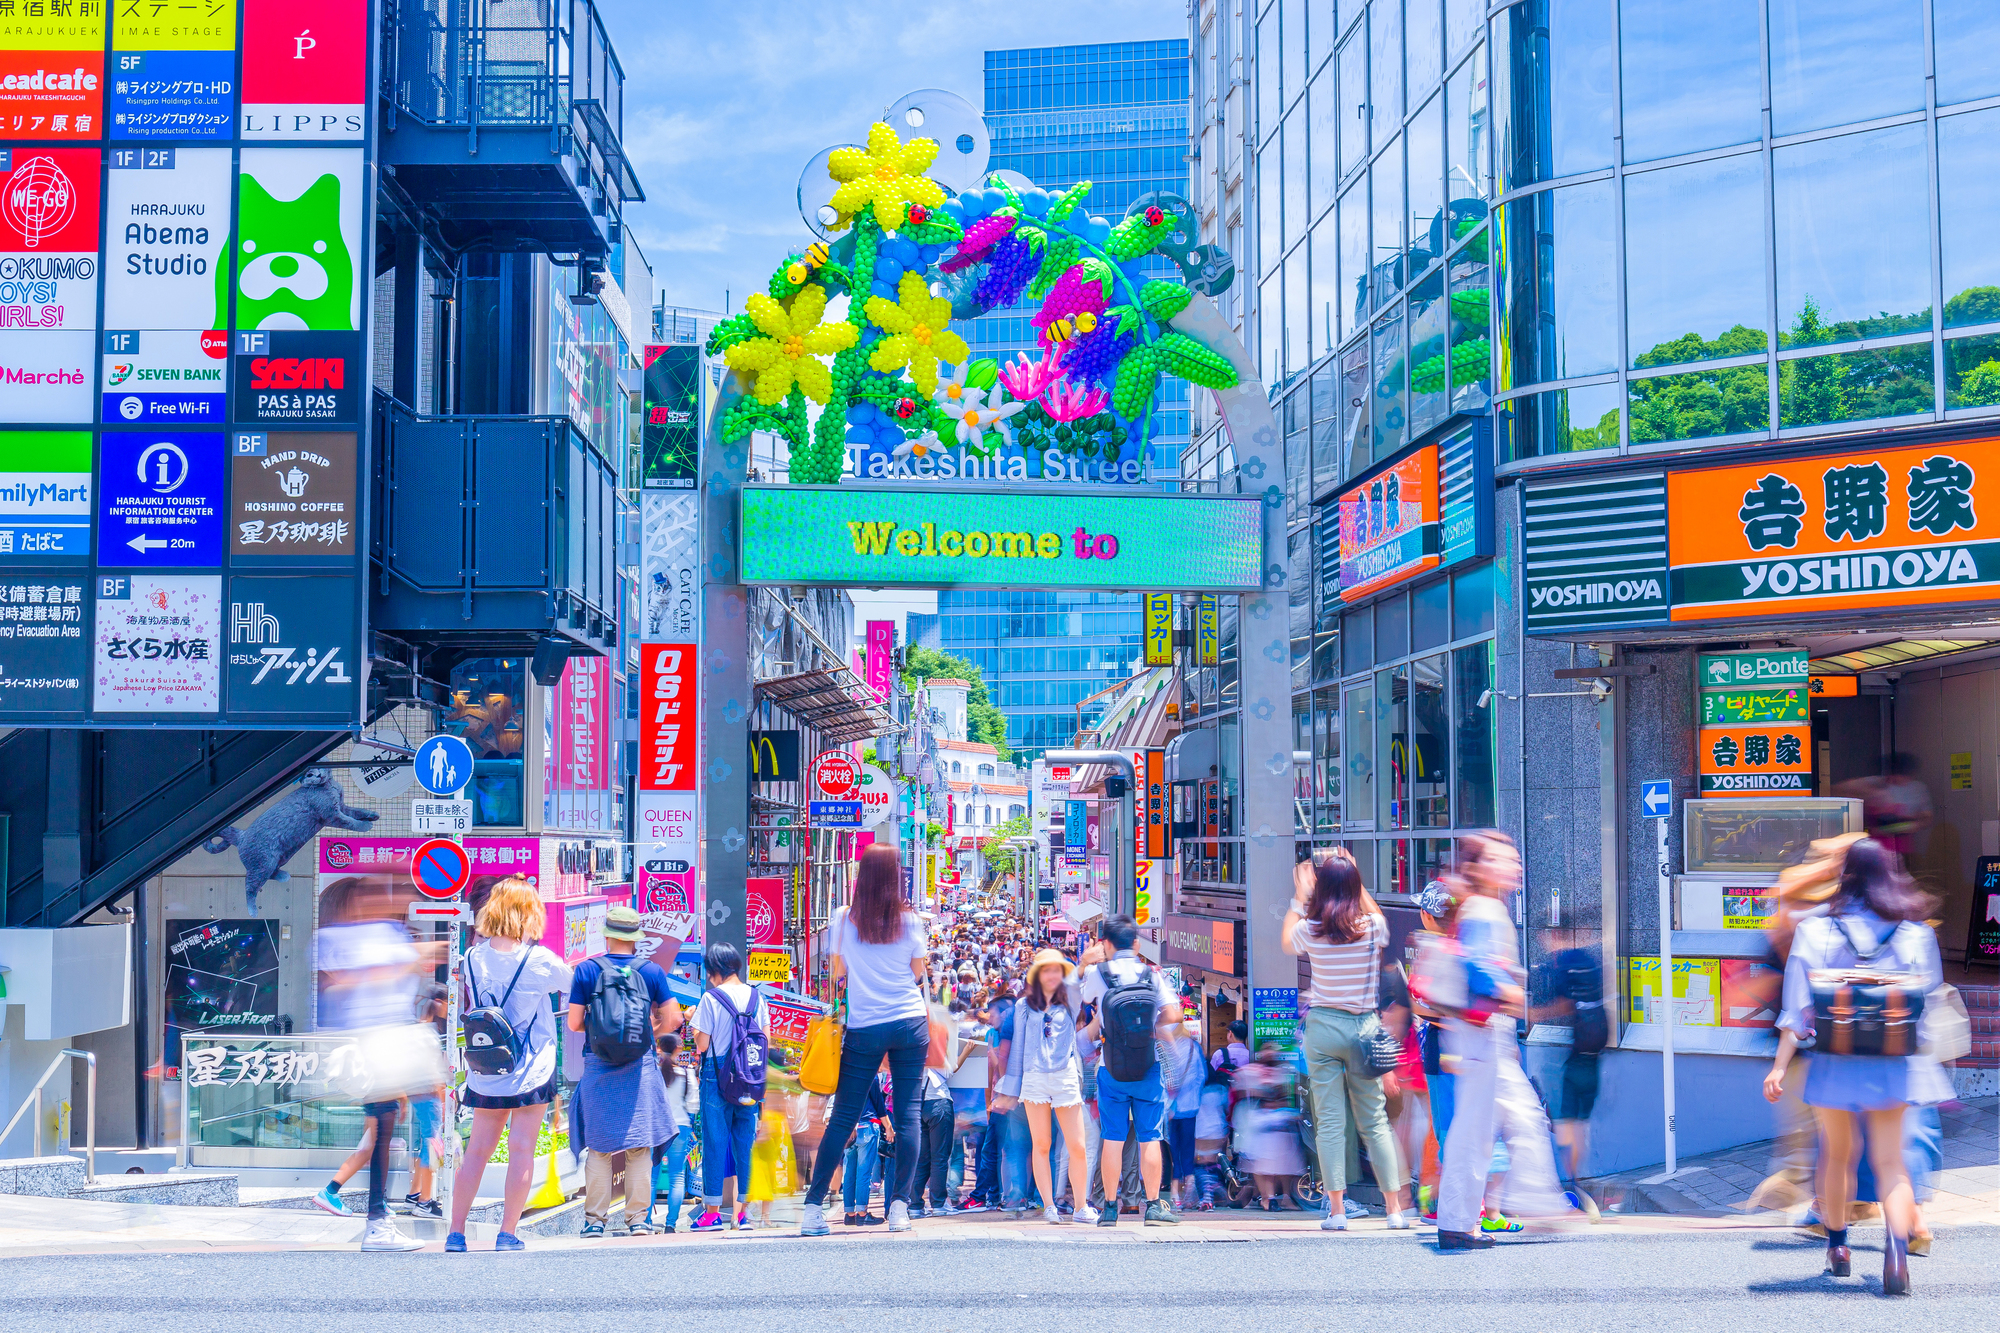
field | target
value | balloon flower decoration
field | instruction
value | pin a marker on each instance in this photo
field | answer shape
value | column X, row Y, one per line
column 895, row 382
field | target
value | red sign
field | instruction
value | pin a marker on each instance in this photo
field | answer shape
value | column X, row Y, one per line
column 836, row 776
column 583, row 725
column 667, row 717
column 764, row 911
column 440, row 868
column 295, row 372
column 1152, row 802
column 305, row 69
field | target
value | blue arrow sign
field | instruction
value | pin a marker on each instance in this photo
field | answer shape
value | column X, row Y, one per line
column 444, row 765
column 1656, row 798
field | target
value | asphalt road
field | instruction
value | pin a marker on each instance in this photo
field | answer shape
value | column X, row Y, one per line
column 1726, row 1281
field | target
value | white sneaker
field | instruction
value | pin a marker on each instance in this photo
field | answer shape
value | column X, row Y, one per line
column 1085, row 1215
column 1333, row 1223
column 899, row 1216
column 814, row 1222
column 1399, row 1221
column 382, row 1235
column 1052, row 1217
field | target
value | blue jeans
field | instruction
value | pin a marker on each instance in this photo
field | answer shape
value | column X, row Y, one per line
column 670, row 1161
column 859, row 1164
column 1017, row 1144
column 904, row 1043
column 728, row 1131
column 973, row 1137
column 987, row 1186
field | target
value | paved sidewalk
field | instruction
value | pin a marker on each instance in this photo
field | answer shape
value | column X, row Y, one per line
column 1720, row 1184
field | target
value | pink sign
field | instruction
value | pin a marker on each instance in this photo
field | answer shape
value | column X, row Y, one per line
column 346, row 855
column 583, row 724
column 764, row 910
column 881, row 656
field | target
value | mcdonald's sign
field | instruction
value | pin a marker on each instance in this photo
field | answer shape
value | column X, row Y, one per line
column 774, row 756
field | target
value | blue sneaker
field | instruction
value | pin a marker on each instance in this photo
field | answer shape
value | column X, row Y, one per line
column 507, row 1240
column 455, row 1243
column 328, row 1200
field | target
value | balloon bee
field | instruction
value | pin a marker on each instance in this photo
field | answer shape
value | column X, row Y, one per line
column 801, row 269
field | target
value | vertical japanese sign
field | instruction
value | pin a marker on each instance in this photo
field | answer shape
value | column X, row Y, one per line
column 1158, row 628
column 1076, row 832
column 672, row 593
column 305, row 69
column 1152, row 789
column 579, row 768
column 1754, row 737
column 881, row 656
column 1207, row 631
column 669, row 431
column 173, row 69
column 48, row 259
column 52, row 69
column 667, row 727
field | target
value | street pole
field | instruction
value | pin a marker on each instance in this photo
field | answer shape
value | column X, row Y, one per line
column 1666, row 988
column 1124, row 892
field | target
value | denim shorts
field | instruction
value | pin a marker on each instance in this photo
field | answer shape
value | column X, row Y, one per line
column 1146, row 1098
column 426, row 1114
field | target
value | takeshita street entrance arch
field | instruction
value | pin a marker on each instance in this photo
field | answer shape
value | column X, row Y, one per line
column 915, row 464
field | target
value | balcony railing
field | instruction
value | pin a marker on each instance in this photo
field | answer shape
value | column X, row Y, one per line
column 494, row 529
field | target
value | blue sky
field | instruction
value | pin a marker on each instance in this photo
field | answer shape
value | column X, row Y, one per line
column 724, row 104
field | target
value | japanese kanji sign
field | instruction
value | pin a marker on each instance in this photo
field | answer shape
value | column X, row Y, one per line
column 1754, row 738
column 1898, row 527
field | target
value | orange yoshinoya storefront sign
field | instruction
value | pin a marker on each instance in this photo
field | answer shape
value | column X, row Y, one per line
column 1885, row 527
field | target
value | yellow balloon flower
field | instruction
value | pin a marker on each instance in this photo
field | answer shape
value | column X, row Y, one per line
column 790, row 351
column 918, row 337
column 889, row 174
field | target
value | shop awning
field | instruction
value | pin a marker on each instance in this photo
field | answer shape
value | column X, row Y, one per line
column 827, row 701
column 1083, row 913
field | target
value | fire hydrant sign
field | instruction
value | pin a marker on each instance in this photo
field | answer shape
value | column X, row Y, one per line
column 833, row 798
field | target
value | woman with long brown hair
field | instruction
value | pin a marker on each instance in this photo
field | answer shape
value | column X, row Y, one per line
column 877, row 958
column 1337, row 926
column 1875, row 924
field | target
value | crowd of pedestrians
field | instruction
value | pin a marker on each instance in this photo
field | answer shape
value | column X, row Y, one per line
column 985, row 1066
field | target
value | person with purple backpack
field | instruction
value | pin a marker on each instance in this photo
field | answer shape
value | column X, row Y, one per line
column 732, row 1032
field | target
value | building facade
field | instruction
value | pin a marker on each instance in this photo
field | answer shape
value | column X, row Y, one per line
column 1703, row 290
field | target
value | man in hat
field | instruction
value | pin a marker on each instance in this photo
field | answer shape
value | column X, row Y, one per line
column 619, row 1111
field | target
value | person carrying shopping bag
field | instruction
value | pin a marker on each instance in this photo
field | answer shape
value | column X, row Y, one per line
column 1337, row 927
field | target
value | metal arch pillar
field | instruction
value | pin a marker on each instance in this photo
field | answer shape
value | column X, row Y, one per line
column 1263, row 656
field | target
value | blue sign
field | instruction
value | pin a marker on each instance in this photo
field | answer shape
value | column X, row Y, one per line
column 444, row 765
column 160, row 498
column 834, row 814
column 1076, row 824
column 1656, row 798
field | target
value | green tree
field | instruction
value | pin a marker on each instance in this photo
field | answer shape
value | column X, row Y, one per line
column 1003, row 860
column 983, row 722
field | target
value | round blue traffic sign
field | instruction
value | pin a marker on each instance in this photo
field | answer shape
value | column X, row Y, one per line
column 441, row 868
column 444, row 765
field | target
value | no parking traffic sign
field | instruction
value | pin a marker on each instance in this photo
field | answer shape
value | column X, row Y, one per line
column 441, row 868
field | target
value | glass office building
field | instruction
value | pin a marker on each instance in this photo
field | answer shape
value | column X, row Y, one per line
column 1116, row 116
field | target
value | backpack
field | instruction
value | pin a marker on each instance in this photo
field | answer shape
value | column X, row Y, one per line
column 618, row 1022
column 1590, row 1024
column 1126, row 1023
column 492, row 1047
column 739, row 1074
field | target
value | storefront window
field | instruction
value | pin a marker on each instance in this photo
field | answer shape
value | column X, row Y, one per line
column 1559, row 286
column 1472, row 602
column 488, row 710
column 1326, row 759
column 1471, row 325
column 1358, row 632
column 1969, row 200
column 1853, row 237
column 1358, row 734
column 1389, row 412
column 1472, row 710
column 1855, row 386
column 1972, row 372
column 1429, row 354
column 1694, row 261
column 1838, row 62
column 1430, row 615
column 1392, row 726
column 1430, row 741
column 1385, row 182
column 1689, row 76
column 1700, row 404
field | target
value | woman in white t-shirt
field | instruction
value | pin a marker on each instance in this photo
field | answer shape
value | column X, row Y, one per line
column 876, row 955
column 508, row 970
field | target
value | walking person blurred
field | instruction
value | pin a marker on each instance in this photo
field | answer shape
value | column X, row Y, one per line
column 1336, row 925
column 877, row 958
column 670, row 1159
column 371, row 969
column 732, row 1029
column 1044, row 1073
column 1183, row 1071
column 619, row 1112
column 1492, row 1093
column 1857, row 980
column 510, row 977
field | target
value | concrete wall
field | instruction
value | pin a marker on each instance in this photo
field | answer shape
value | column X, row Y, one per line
column 1719, row 1100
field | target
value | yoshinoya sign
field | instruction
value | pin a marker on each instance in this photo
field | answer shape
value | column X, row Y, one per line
column 1803, row 537
column 875, row 536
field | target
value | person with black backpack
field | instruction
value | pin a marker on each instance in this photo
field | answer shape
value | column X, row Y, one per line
column 510, row 1051
column 619, row 1111
column 1137, row 1008
column 732, row 1037
column 1569, row 984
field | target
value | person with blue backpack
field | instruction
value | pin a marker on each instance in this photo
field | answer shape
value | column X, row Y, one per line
column 732, row 1035
column 619, row 1112
column 510, row 1051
